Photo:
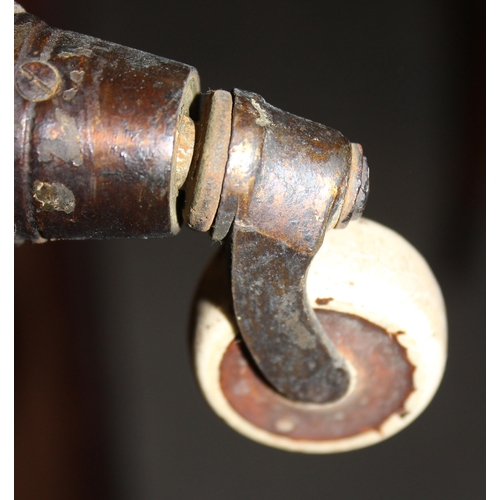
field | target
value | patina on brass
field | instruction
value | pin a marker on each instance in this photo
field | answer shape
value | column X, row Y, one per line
column 109, row 123
column 104, row 144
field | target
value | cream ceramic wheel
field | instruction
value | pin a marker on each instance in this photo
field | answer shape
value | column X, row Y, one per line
column 380, row 304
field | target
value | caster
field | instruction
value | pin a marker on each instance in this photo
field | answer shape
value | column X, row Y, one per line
column 379, row 303
column 320, row 341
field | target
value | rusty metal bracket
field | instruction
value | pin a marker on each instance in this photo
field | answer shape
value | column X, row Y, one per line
column 287, row 179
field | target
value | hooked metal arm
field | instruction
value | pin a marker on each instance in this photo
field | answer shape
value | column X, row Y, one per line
column 300, row 177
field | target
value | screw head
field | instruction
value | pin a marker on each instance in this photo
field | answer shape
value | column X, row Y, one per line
column 37, row 81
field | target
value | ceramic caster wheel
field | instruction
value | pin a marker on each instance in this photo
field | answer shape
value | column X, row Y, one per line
column 379, row 302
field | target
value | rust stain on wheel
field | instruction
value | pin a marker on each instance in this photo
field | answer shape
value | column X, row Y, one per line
column 382, row 381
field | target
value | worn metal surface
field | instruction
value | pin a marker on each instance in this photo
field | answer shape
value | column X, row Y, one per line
column 104, row 142
column 384, row 381
column 276, row 322
column 285, row 182
column 358, row 186
column 108, row 123
column 204, row 184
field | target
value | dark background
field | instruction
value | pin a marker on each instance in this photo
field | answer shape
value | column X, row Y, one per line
column 106, row 403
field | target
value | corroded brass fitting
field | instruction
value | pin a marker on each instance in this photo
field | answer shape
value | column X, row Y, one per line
column 104, row 142
column 103, row 138
column 113, row 142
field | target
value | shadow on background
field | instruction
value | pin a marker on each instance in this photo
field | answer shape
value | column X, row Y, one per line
column 106, row 404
